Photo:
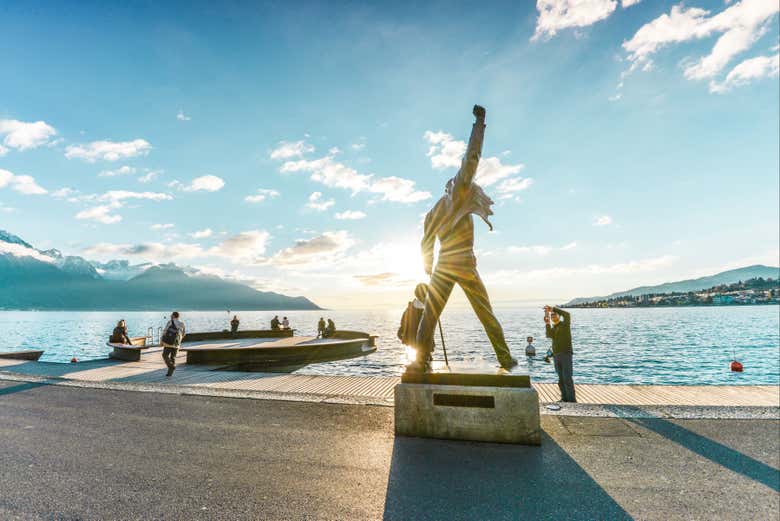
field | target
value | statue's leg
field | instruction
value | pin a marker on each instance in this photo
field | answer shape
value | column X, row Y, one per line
column 438, row 292
column 477, row 294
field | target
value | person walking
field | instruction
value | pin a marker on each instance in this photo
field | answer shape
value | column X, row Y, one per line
column 171, row 340
column 410, row 320
column 560, row 334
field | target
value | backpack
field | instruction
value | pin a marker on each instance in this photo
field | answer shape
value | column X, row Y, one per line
column 410, row 320
column 171, row 336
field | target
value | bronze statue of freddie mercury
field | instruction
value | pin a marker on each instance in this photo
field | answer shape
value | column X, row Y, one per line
column 450, row 220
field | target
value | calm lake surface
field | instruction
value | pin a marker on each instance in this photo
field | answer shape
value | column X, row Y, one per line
column 642, row 346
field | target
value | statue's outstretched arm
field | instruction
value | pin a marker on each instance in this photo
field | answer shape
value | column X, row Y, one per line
column 468, row 167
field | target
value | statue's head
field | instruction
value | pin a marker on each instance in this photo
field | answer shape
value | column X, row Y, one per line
column 421, row 291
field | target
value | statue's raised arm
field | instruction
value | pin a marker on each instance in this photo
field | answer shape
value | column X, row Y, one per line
column 468, row 167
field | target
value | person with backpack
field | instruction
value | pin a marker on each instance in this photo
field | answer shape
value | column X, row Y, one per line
column 171, row 340
column 410, row 320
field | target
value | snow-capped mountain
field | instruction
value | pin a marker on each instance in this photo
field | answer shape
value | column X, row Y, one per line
column 36, row 279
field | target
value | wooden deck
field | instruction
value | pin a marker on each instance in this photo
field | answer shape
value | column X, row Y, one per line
column 151, row 370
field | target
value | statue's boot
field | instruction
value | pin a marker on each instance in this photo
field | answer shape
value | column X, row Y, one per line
column 509, row 364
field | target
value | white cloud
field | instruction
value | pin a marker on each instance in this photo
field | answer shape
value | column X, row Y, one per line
column 317, row 251
column 6, row 209
column 181, row 116
column 548, row 275
column 248, row 246
column 602, row 220
column 444, row 151
column 397, row 189
column 555, row 15
column 149, row 176
column 24, row 184
column 122, row 170
column 202, row 234
column 541, row 249
column 63, row 192
column 491, row 170
column 151, row 251
column 108, row 150
column 22, row 135
column 350, row 215
column 166, row 226
column 262, row 195
column 205, row 183
column 3, row 150
column 357, row 146
column 101, row 213
column 330, row 173
column 747, row 71
column 739, row 25
column 286, row 150
column 317, row 203
column 18, row 250
column 121, row 195
column 515, row 184
column 112, row 201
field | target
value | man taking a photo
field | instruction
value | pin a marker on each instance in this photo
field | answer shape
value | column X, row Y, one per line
column 560, row 334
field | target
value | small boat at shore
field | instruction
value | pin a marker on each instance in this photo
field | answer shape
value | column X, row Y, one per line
column 29, row 354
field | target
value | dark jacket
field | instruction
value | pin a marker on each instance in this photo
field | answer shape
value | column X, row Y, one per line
column 560, row 333
column 119, row 336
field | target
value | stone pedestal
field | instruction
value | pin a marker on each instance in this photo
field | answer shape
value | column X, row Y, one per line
column 458, row 403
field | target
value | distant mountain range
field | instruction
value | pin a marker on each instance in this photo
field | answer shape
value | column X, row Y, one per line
column 47, row 280
column 725, row 277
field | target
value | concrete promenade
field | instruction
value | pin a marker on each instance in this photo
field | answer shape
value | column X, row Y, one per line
column 149, row 374
column 79, row 453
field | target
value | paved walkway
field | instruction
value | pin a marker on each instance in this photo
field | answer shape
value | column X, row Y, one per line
column 378, row 390
column 102, row 454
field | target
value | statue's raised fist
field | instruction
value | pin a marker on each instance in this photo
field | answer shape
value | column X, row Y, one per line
column 479, row 111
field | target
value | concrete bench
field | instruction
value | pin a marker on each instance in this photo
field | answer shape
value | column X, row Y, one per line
column 128, row 352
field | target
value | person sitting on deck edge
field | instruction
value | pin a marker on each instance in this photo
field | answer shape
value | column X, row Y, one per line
column 119, row 336
column 330, row 329
column 560, row 333
column 171, row 340
column 234, row 324
column 275, row 323
column 285, row 323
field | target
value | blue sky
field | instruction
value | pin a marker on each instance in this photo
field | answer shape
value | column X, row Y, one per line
column 627, row 143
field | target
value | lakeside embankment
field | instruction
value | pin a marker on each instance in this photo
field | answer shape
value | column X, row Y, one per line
column 101, row 454
column 680, row 346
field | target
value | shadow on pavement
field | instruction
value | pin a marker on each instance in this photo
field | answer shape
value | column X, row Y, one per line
column 11, row 389
column 703, row 446
column 449, row 480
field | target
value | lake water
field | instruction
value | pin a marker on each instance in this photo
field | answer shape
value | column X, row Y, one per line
column 642, row 346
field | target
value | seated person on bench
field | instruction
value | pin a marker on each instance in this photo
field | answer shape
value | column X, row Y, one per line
column 119, row 336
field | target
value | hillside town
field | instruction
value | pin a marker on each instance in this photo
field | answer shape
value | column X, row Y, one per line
column 748, row 292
